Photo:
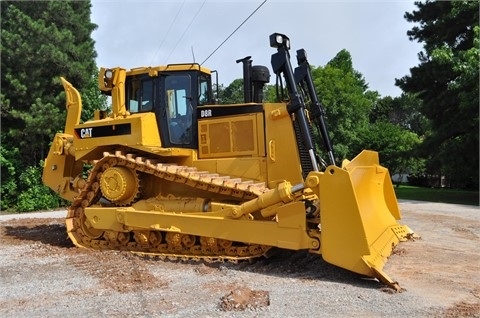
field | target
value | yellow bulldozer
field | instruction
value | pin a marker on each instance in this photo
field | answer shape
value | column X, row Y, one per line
column 173, row 173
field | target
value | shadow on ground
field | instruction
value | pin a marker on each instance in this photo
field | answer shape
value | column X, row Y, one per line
column 282, row 263
column 47, row 231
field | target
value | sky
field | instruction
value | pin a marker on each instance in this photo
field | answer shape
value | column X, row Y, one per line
column 158, row 32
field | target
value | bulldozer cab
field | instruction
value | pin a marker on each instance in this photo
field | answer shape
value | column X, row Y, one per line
column 173, row 93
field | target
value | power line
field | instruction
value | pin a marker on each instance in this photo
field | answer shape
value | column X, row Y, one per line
column 168, row 32
column 188, row 27
column 251, row 14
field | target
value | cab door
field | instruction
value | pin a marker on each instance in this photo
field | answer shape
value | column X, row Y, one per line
column 177, row 111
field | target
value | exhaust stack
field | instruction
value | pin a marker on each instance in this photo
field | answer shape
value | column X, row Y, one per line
column 254, row 80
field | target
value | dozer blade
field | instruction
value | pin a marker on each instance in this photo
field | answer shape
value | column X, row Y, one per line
column 359, row 213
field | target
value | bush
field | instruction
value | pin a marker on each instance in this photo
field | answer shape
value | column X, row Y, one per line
column 423, row 180
column 35, row 196
column 8, row 184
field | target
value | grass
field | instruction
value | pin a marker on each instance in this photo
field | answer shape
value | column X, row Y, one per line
column 437, row 195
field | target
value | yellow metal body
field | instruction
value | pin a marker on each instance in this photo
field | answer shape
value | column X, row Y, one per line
column 163, row 191
column 242, row 146
column 62, row 171
column 360, row 203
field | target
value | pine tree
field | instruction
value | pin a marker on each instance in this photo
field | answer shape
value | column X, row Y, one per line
column 40, row 41
column 446, row 80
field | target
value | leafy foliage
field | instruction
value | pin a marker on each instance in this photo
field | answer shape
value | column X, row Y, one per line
column 40, row 41
column 396, row 130
column 9, row 183
column 402, row 111
column 343, row 92
column 92, row 99
column 35, row 196
column 233, row 93
column 395, row 146
column 446, row 81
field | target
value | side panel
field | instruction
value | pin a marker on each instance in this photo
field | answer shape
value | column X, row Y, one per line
column 231, row 141
column 250, row 141
column 231, row 131
column 230, row 137
column 283, row 161
column 135, row 130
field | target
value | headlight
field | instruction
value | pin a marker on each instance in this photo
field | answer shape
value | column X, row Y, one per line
column 109, row 74
column 279, row 40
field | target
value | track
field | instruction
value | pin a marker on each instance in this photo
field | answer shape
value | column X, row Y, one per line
column 159, row 243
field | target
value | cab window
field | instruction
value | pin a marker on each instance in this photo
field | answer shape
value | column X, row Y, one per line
column 140, row 95
column 204, row 91
column 179, row 108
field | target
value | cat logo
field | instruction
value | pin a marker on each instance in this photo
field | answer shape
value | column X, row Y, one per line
column 86, row 133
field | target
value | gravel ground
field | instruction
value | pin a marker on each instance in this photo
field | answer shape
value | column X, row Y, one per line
column 43, row 275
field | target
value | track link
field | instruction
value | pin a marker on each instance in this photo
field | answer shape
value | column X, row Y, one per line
column 157, row 243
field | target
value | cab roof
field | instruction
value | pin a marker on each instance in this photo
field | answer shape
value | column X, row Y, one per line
column 154, row 70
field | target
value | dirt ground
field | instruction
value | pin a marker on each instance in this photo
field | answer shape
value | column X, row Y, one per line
column 445, row 262
column 42, row 274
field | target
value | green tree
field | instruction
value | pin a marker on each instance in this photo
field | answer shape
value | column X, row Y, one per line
column 40, row 41
column 396, row 130
column 92, row 99
column 396, row 147
column 233, row 93
column 270, row 94
column 446, row 81
column 402, row 111
column 9, row 168
column 347, row 101
column 35, row 196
